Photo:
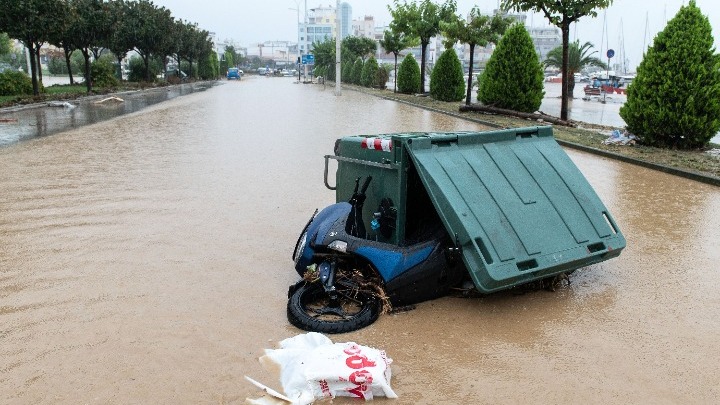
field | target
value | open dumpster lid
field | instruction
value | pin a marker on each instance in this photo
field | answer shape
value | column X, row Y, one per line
column 516, row 204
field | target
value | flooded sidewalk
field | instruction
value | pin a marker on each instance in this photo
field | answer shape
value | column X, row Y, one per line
column 37, row 120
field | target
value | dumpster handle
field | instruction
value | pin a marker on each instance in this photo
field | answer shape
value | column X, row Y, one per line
column 350, row 160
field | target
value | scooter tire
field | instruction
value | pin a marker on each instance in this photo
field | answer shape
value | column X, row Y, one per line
column 299, row 316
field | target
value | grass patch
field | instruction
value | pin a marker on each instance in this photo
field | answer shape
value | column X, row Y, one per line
column 66, row 89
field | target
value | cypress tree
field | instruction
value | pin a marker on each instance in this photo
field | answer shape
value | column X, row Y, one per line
column 513, row 77
column 675, row 99
column 356, row 74
column 446, row 80
column 408, row 78
column 369, row 72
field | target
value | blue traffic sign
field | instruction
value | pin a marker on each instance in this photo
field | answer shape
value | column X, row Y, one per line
column 610, row 53
column 308, row 59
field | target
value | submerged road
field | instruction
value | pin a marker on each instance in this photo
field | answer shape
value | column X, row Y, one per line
column 146, row 259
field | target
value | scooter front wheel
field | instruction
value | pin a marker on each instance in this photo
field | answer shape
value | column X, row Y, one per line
column 349, row 307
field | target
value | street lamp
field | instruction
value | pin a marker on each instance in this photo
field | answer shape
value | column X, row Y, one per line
column 298, row 26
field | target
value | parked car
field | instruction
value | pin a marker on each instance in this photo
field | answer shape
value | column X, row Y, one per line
column 234, row 73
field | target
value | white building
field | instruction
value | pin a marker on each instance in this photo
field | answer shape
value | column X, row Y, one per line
column 321, row 24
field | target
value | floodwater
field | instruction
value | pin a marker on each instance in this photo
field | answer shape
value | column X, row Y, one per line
column 146, row 259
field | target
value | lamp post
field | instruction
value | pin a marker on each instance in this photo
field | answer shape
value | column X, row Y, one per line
column 338, row 38
column 297, row 5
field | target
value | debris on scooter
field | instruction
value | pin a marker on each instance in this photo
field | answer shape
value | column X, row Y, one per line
column 312, row 367
column 464, row 212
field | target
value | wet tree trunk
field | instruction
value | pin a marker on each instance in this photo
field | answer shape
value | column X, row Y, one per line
column 470, row 72
column 68, row 54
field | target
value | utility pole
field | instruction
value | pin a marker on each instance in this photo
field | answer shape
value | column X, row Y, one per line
column 338, row 39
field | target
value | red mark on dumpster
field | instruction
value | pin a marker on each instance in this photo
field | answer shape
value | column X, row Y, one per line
column 384, row 145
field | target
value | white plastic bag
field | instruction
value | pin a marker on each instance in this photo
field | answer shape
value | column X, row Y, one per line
column 313, row 367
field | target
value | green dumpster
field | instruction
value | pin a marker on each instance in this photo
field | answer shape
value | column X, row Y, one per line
column 516, row 206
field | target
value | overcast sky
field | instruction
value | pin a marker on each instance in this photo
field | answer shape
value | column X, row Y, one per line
column 634, row 22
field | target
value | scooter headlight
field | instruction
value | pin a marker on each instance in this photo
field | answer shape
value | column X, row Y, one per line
column 339, row 245
column 300, row 247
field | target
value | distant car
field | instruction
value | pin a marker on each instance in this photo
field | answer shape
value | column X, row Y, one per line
column 234, row 73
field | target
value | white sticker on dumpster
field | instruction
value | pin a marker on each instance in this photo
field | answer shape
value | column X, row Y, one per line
column 384, row 145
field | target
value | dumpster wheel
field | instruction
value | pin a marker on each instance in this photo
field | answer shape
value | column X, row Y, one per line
column 354, row 306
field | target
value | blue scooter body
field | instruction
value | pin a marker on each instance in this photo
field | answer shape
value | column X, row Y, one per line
column 411, row 274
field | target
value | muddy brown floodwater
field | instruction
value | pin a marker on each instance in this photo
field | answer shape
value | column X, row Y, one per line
column 146, row 259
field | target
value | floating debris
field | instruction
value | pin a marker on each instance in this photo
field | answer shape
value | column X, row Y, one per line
column 113, row 99
column 63, row 104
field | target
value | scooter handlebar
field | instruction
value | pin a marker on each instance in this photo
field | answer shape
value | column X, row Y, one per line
column 366, row 184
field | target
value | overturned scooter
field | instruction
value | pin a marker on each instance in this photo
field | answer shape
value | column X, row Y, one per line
column 499, row 208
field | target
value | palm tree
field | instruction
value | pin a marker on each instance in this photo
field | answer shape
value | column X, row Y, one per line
column 579, row 58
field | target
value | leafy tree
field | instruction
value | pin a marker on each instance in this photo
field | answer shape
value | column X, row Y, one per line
column 325, row 58
column 560, row 13
column 579, row 58
column 88, row 30
column 62, row 38
column 355, row 47
column 356, row 73
column 446, row 81
column 513, row 77
column 421, row 20
column 394, row 42
column 5, row 44
column 408, row 78
column 196, row 48
column 150, row 25
column 478, row 29
column 675, row 99
column 32, row 22
column 369, row 73
column 120, row 39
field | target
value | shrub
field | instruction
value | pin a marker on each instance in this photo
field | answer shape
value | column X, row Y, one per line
column 674, row 100
column 369, row 73
column 382, row 76
column 137, row 69
column 103, row 75
column 208, row 67
column 513, row 77
column 408, row 80
column 14, row 83
column 356, row 74
column 446, row 81
column 347, row 69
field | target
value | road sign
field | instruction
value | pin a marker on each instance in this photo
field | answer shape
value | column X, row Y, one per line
column 610, row 53
column 308, row 59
